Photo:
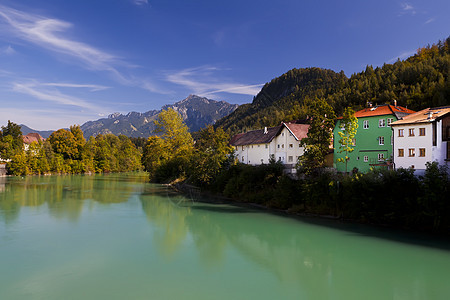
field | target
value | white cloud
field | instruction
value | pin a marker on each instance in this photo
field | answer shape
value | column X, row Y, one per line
column 140, row 2
column 407, row 8
column 429, row 20
column 52, row 34
column 42, row 92
column 402, row 56
column 201, row 81
column 91, row 87
column 7, row 50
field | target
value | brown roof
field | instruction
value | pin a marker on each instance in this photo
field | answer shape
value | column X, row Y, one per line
column 32, row 137
column 298, row 130
column 426, row 115
column 259, row 137
column 380, row 110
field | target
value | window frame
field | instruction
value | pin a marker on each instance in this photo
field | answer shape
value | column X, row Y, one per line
column 381, row 123
column 401, row 152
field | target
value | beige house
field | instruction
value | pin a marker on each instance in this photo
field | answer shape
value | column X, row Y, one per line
column 281, row 142
column 422, row 137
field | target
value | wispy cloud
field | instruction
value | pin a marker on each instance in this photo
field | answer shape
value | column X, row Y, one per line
column 43, row 91
column 407, row 8
column 91, row 87
column 429, row 20
column 52, row 34
column 201, row 81
column 8, row 50
column 402, row 56
column 140, row 2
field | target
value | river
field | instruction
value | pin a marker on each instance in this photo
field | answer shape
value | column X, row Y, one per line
column 118, row 237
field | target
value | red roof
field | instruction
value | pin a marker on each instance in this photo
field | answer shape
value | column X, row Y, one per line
column 381, row 110
column 32, row 137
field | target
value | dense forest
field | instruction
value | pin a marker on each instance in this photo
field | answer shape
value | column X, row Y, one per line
column 418, row 82
column 67, row 152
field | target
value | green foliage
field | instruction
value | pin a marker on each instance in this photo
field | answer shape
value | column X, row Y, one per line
column 11, row 142
column 167, row 157
column 212, row 153
column 67, row 152
column 319, row 137
column 350, row 125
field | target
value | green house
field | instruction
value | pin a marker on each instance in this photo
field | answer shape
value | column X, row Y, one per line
column 373, row 140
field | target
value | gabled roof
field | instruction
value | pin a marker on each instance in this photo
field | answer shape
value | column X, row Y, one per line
column 259, row 137
column 381, row 110
column 32, row 137
column 426, row 115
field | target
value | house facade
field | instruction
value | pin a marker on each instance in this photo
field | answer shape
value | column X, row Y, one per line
column 422, row 137
column 281, row 142
column 373, row 140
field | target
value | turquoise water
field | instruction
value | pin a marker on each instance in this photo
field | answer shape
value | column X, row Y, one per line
column 118, row 237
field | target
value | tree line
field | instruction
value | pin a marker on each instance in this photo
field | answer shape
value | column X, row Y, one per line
column 67, row 152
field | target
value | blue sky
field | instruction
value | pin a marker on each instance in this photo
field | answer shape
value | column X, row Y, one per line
column 67, row 62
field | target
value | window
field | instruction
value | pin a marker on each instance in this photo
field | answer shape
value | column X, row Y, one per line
column 252, row 146
column 242, row 159
column 381, row 123
column 342, row 127
column 401, row 152
column 262, row 160
column 290, row 158
column 267, row 146
column 291, row 145
column 400, row 132
column 278, row 146
column 411, row 132
column 381, row 140
column 258, row 146
column 421, row 131
column 353, row 142
column 412, row 152
column 282, row 134
column 366, row 158
column 392, row 140
column 422, row 152
column 380, row 156
column 389, row 121
column 366, row 124
column 282, row 146
column 242, row 148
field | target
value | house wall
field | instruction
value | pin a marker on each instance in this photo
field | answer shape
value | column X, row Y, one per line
column 280, row 147
column 367, row 144
column 416, row 142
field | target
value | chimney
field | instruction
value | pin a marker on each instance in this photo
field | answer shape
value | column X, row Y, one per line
column 430, row 115
column 265, row 130
column 395, row 103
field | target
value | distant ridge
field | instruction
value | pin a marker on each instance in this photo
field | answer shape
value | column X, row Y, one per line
column 197, row 113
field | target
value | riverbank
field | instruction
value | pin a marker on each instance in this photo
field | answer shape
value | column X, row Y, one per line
column 383, row 198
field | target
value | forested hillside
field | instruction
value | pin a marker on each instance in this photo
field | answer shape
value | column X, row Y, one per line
column 418, row 82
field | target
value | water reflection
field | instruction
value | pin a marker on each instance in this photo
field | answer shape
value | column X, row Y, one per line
column 64, row 196
column 315, row 262
column 319, row 262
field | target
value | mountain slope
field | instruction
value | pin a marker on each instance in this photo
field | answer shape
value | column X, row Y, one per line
column 197, row 112
column 418, row 82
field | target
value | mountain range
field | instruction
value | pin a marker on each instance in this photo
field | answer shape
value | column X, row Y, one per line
column 197, row 112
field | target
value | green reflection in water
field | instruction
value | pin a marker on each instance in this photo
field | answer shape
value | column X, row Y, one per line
column 116, row 236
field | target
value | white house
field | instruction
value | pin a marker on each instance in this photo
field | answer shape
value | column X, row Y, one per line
column 422, row 137
column 282, row 142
